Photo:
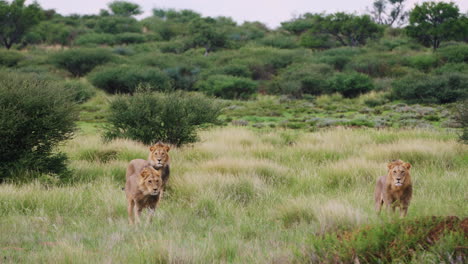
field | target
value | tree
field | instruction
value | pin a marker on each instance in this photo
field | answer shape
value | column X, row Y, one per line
column 123, row 8
column 206, row 33
column 15, row 20
column 382, row 16
column 434, row 22
column 347, row 29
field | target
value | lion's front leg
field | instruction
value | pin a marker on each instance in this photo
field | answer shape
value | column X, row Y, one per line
column 130, row 206
column 138, row 210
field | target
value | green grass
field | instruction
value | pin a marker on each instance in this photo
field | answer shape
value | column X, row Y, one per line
column 240, row 195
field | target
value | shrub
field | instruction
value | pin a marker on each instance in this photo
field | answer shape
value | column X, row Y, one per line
column 10, row 58
column 228, row 87
column 126, row 78
column 461, row 117
column 454, row 53
column 338, row 57
column 302, row 78
column 130, row 38
column 423, row 62
column 36, row 115
column 117, row 24
column 81, row 61
column 350, row 84
column 279, row 41
column 170, row 117
column 81, row 91
column 425, row 88
column 95, row 39
column 375, row 65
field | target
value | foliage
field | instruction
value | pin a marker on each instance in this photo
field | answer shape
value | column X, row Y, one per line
column 80, row 90
column 151, row 117
column 9, row 58
column 124, row 8
column 350, row 84
column 50, row 32
column 347, row 29
column 454, row 53
column 130, row 38
column 36, row 116
column 16, row 19
column 434, row 22
column 381, row 15
column 462, row 117
column 80, row 61
column 426, row 88
column 117, row 24
column 126, row 78
column 423, row 62
column 302, row 78
column 228, row 87
column 279, row 41
column 205, row 33
column 96, row 39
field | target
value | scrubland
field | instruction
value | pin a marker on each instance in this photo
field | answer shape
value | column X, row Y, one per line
column 241, row 196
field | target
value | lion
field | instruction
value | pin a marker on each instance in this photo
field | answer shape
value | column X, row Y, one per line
column 143, row 190
column 158, row 158
column 395, row 189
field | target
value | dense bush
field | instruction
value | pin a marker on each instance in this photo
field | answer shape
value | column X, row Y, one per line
column 96, row 39
column 425, row 88
column 130, row 38
column 117, row 24
column 279, row 41
column 461, row 117
column 454, row 53
column 228, row 87
column 350, row 84
column 302, row 78
column 423, row 62
column 80, row 61
column 338, row 57
column 151, row 117
column 126, row 78
column 80, row 90
column 375, row 65
column 10, row 58
column 36, row 115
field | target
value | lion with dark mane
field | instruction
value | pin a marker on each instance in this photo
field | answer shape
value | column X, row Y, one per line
column 395, row 189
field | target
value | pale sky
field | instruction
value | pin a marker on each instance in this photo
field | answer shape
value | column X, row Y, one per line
column 270, row 12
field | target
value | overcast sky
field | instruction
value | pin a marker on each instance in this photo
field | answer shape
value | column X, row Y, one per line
column 270, row 12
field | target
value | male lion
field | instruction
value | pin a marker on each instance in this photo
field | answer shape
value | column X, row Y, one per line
column 158, row 158
column 143, row 189
column 395, row 188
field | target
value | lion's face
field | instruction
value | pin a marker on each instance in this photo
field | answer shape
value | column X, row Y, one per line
column 150, row 181
column 159, row 156
column 399, row 172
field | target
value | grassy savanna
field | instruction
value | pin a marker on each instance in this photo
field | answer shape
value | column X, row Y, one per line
column 237, row 196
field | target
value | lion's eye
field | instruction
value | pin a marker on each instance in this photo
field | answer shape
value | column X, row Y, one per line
column 394, row 171
column 149, row 181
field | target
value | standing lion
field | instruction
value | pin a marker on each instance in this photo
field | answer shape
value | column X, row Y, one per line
column 394, row 189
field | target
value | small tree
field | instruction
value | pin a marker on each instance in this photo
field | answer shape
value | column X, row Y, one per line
column 124, row 8
column 151, row 117
column 81, row 61
column 35, row 116
column 15, row 20
column 347, row 29
column 205, row 33
column 396, row 14
column 434, row 22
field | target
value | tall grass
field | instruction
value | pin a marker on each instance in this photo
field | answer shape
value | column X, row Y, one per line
column 238, row 196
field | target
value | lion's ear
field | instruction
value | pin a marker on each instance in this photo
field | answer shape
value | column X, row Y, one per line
column 152, row 148
column 144, row 173
column 407, row 165
column 390, row 165
column 167, row 148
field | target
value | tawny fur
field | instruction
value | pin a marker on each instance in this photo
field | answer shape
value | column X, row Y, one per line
column 394, row 189
column 143, row 190
column 158, row 158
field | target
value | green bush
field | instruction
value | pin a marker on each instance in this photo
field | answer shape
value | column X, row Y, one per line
column 454, row 53
column 423, row 62
column 81, row 91
column 301, row 78
column 96, row 39
column 375, row 65
column 130, row 38
column 36, row 115
column 425, row 88
column 80, row 61
column 279, row 41
column 151, row 117
column 338, row 57
column 117, row 24
column 10, row 58
column 350, row 84
column 461, row 117
column 228, row 87
column 126, row 78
